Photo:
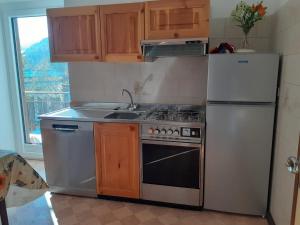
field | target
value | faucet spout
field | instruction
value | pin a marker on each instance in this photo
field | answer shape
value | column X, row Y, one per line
column 132, row 105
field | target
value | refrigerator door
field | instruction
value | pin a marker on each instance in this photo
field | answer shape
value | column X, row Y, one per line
column 243, row 77
column 238, row 155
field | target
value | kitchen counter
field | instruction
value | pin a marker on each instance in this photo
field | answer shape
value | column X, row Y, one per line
column 85, row 135
column 97, row 113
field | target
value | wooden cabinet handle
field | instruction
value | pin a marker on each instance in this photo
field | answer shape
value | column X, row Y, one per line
column 176, row 35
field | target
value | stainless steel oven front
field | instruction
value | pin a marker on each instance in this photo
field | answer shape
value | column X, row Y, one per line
column 172, row 172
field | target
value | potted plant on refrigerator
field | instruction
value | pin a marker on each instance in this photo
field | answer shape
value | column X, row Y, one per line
column 246, row 16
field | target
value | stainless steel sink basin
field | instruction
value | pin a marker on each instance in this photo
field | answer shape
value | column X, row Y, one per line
column 122, row 116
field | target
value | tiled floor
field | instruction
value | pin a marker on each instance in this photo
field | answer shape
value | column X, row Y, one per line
column 67, row 210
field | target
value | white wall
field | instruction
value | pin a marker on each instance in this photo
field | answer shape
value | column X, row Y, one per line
column 6, row 120
column 11, row 129
column 286, row 42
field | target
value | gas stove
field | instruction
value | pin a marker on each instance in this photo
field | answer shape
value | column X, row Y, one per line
column 177, row 113
column 175, row 123
column 172, row 140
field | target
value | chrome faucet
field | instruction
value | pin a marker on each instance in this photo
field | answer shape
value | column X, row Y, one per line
column 132, row 105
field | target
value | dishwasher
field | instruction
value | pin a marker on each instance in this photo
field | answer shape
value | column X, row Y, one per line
column 69, row 156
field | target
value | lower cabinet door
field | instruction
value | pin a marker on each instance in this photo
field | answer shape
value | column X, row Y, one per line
column 117, row 160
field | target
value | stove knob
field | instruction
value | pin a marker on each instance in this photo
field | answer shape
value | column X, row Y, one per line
column 150, row 131
column 170, row 132
column 163, row 131
column 176, row 132
column 156, row 131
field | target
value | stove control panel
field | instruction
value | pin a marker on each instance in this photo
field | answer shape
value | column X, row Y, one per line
column 190, row 132
column 170, row 132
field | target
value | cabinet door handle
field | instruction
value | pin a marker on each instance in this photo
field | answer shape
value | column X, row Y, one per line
column 65, row 130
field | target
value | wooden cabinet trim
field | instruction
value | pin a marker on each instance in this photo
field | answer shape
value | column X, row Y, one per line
column 71, row 11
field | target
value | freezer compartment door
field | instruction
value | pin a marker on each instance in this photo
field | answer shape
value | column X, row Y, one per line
column 243, row 77
column 238, row 155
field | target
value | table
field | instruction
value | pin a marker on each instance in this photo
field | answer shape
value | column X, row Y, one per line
column 17, row 175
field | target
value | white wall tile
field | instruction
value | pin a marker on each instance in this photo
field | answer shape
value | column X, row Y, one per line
column 290, row 67
column 217, row 27
column 157, row 82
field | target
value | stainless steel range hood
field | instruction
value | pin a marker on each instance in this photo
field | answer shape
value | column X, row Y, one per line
column 153, row 49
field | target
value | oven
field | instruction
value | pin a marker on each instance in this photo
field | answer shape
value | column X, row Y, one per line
column 172, row 171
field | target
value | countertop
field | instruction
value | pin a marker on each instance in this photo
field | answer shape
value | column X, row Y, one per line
column 97, row 112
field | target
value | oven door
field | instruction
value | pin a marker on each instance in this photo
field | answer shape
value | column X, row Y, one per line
column 171, row 172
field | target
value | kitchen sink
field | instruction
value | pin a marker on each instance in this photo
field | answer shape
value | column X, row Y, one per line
column 122, row 115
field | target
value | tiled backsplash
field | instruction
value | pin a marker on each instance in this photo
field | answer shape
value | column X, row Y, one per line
column 167, row 80
column 225, row 30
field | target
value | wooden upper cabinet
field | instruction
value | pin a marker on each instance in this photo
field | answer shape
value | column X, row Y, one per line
column 117, row 159
column 169, row 19
column 122, row 29
column 114, row 32
column 74, row 34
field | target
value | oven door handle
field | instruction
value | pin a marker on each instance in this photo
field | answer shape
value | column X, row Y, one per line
column 170, row 157
column 170, row 143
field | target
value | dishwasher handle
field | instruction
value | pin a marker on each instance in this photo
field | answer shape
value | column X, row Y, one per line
column 65, row 128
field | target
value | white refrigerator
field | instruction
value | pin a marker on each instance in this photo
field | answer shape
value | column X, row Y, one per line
column 242, row 90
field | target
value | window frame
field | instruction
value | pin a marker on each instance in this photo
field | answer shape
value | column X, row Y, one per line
column 32, row 151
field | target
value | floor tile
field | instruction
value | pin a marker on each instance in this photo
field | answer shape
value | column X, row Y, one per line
column 52, row 209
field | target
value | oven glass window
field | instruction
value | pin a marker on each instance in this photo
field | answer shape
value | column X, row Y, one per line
column 175, row 166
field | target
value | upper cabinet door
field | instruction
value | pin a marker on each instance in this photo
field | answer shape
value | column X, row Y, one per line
column 122, row 29
column 74, row 34
column 169, row 19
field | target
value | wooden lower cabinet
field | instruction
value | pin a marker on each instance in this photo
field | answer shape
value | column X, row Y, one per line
column 117, row 159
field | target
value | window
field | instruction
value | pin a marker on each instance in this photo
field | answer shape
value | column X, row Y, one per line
column 43, row 86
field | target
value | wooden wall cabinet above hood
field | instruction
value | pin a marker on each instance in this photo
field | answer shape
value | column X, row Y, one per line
column 114, row 33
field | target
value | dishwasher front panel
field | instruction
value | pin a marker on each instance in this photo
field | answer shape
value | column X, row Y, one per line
column 69, row 156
